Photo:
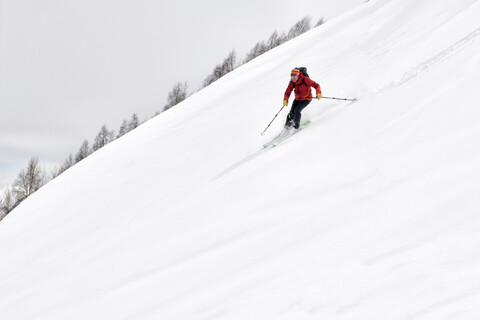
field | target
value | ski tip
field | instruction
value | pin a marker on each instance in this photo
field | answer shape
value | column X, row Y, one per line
column 306, row 123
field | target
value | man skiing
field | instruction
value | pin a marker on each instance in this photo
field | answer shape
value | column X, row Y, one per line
column 302, row 84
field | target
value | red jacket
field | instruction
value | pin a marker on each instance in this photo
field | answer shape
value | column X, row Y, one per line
column 302, row 88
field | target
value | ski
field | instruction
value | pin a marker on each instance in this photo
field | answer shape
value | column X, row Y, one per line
column 284, row 135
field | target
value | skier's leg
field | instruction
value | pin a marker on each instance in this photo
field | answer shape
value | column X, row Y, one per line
column 291, row 115
column 288, row 121
column 298, row 112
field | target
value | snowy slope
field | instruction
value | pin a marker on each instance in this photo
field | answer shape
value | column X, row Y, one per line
column 372, row 212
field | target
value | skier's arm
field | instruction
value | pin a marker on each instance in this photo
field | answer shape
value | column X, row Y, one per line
column 311, row 83
column 288, row 91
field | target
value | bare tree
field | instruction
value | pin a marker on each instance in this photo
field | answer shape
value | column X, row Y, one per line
column 321, row 21
column 275, row 40
column 29, row 180
column 177, row 95
column 66, row 164
column 6, row 203
column 133, row 122
column 229, row 63
column 83, row 152
column 103, row 138
column 259, row 49
column 209, row 80
column 128, row 126
column 217, row 74
column 123, row 129
column 299, row 28
column 55, row 172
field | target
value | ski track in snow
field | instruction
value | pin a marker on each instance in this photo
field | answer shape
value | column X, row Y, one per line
column 433, row 61
column 324, row 114
column 240, row 163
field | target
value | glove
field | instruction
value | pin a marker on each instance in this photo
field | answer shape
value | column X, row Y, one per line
column 285, row 102
column 319, row 96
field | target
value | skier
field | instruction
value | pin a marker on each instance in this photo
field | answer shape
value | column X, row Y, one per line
column 303, row 95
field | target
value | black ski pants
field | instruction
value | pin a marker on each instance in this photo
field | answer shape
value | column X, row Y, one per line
column 295, row 114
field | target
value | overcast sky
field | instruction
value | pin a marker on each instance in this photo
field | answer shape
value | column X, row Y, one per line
column 69, row 66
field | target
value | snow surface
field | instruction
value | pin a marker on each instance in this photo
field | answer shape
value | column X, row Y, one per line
column 372, row 212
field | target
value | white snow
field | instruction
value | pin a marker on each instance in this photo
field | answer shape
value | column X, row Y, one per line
column 372, row 212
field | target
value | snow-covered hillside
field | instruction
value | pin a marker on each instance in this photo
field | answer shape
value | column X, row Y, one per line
column 372, row 212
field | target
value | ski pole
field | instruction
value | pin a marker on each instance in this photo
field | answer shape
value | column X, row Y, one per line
column 272, row 120
column 346, row 99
